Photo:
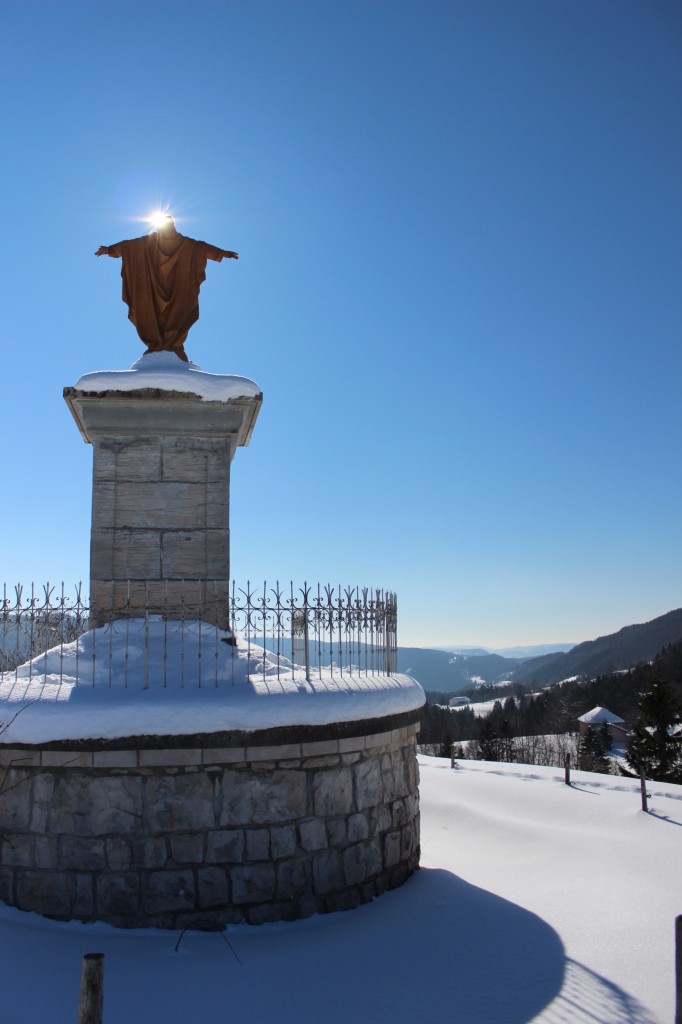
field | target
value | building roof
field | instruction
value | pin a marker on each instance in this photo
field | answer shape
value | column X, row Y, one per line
column 598, row 715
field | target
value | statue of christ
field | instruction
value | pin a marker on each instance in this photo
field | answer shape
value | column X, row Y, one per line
column 162, row 273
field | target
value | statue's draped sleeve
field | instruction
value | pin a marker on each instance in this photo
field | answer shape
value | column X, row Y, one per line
column 162, row 290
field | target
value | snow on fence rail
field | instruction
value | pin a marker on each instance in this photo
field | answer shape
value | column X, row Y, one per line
column 45, row 631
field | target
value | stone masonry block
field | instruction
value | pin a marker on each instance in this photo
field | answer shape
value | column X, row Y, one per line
column 82, row 854
column 407, row 841
column 171, row 506
column 115, row 758
column 354, row 864
column 358, row 828
column 378, row 739
column 85, row 806
column 225, row 846
column 333, row 792
column 47, row 892
column 101, row 552
column 398, row 813
column 15, row 757
column 65, row 759
column 411, row 807
column 338, row 832
column 187, row 849
column 257, row 844
column 46, row 852
column 282, row 752
column 169, row 758
column 384, row 818
column 104, row 460
column 136, row 555
column 253, row 883
column 327, row 872
column 282, row 841
column 168, row 891
column 373, row 863
column 292, row 879
column 189, row 458
column 323, row 761
column 313, row 835
column 272, row 798
column 153, row 853
column 351, row 744
column 223, row 755
column 389, row 781
column 194, row 554
column 213, row 889
column 15, row 805
column 43, row 788
column 118, row 853
column 391, row 849
column 103, row 505
column 7, row 885
column 346, row 899
column 17, row 850
column 136, row 458
column 180, row 803
column 368, row 784
column 317, row 748
column 118, row 895
column 83, row 903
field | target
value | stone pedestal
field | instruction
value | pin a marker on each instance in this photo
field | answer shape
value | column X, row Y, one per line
column 217, row 830
column 160, row 499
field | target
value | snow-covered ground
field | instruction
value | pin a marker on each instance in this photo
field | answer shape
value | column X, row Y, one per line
column 535, row 902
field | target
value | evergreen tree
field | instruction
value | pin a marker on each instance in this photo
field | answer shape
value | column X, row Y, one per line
column 488, row 744
column 594, row 749
column 650, row 746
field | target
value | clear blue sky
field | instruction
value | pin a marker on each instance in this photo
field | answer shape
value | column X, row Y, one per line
column 459, row 288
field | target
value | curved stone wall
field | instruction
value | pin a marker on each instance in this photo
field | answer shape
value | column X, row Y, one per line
column 201, row 835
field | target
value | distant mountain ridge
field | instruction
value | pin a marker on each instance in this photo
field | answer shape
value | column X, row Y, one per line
column 528, row 651
column 447, row 672
column 451, row 670
column 621, row 650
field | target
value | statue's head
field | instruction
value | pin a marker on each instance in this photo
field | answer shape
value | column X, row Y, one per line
column 166, row 226
column 162, row 222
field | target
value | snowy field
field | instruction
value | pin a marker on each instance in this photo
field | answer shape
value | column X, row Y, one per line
column 535, row 902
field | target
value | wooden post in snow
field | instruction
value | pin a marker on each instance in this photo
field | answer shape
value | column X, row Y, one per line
column 92, row 989
column 642, row 787
column 567, row 769
column 678, row 970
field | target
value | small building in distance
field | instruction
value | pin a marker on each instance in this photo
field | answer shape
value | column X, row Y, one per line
column 459, row 701
column 595, row 718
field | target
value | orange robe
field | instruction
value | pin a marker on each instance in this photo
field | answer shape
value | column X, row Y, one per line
column 161, row 282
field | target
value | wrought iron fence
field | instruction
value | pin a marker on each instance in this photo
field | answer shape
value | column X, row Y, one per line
column 277, row 630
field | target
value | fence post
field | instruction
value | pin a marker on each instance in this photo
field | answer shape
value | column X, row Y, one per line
column 642, row 787
column 306, row 651
column 92, row 989
column 678, row 970
column 567, row 769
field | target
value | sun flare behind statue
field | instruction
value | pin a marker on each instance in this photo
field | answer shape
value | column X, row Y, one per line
column 158, row 219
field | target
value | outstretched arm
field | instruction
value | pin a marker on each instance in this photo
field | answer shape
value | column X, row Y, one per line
column 107, row 250
column 219, row 255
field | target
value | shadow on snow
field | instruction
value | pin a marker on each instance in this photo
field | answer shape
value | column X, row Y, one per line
column 435, row 949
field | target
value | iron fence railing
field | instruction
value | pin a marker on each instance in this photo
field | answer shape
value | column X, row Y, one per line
column 279, row 630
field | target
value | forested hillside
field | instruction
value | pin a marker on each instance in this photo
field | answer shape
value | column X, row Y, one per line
column 556, row 709
column 621, row 650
